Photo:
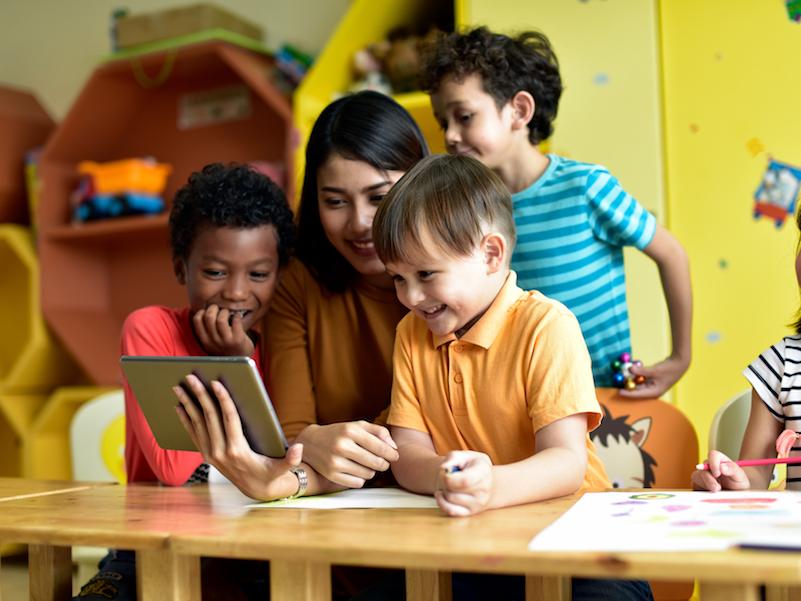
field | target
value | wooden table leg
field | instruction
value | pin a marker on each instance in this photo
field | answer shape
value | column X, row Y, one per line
column 428, row 585
column 164, row 576
column 49, row 573
column 718, row 591
column 299, row 581
column 548, row 588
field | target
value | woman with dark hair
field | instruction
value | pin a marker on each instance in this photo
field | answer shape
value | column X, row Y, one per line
column 330, row 330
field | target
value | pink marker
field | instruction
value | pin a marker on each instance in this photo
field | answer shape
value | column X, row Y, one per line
column 784, row 444
column 749, row 462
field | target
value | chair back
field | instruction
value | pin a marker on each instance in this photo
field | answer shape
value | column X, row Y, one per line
column 647, row 443
column 97, row 439
column 728, row 425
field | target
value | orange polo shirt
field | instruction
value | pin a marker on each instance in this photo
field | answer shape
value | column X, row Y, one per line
column 522, row 366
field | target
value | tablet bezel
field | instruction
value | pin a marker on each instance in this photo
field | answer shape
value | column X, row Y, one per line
column 151, row 379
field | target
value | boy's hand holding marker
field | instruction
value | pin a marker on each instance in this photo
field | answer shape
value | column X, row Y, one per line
column 464, row 484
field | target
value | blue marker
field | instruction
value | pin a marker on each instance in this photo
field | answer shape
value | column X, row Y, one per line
column 452, row 469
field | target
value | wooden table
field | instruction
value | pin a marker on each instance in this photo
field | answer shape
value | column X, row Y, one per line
column 19, row 488
column 16, row 489
column 170, row 528
column 54, row 520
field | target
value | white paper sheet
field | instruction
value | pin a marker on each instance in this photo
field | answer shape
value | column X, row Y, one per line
column 673, row 521
column 364, row 498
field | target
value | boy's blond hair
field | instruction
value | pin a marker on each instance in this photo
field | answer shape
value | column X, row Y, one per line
column 456, row 199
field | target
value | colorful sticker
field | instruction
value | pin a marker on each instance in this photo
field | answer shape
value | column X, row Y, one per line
column 777, row 192
column 794, row 10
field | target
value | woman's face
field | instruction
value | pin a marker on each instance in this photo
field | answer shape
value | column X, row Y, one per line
column 348, row 194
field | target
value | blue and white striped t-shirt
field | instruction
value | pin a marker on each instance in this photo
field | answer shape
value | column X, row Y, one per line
column 776, row 378
column 571, row 226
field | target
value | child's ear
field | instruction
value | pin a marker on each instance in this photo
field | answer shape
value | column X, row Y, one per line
column 523, row 106
column 179, row 267
column 493, row 246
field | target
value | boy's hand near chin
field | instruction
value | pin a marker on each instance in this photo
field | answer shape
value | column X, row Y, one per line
column 464, row 486
column 220, row 332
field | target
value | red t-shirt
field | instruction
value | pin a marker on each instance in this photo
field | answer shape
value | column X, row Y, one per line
column 161, row 332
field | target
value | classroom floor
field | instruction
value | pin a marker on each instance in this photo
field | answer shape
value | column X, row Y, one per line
column 14, row 581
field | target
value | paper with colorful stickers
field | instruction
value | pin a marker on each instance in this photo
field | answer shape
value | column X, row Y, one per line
column 675, row 521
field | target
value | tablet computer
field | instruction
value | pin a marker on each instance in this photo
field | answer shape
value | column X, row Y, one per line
column 152, row 379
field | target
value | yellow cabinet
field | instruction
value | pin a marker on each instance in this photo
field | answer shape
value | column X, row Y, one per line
column 366, row 22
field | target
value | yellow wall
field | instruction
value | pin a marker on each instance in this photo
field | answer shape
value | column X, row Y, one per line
column 610, row 114
column 725, row 71
column 730, row 80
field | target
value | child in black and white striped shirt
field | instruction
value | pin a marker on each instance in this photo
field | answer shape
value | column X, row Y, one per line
column 775, row 378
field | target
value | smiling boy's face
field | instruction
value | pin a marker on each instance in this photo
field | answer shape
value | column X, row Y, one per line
column 449, row 293
column 235, row 269
column 471, row 121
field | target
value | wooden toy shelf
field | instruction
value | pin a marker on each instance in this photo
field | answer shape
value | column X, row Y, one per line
column 186, row 106
column 101, row 230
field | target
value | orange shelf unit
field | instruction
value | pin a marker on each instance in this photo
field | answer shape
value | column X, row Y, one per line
column 95, row 273
column 24, row 125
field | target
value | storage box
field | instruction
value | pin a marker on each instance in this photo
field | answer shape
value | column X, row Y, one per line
column 161, row 25
column 129, row 175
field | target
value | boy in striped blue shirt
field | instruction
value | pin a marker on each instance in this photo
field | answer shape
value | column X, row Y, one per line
column 495, row 98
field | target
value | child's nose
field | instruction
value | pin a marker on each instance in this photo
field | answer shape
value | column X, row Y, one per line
column 236, row 288
column 414, row 295
column 452, row 136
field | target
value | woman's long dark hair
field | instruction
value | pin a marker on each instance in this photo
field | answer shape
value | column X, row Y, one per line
column 368, row 127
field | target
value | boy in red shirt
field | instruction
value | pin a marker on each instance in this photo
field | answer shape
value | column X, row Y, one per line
column 231, row 231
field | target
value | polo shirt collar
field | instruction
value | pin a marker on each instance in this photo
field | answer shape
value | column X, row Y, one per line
column 487, row 328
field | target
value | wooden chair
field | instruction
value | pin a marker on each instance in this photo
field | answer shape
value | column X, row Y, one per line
column 647, row 443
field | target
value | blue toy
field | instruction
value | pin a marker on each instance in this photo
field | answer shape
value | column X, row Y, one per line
column 102, row 206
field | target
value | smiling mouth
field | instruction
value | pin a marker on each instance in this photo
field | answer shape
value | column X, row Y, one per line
column 234, row 312
column 363, row 247
column 433, row 312
column 463, row 151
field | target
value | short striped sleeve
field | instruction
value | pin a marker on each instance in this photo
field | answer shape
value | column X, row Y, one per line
column 776, row 377
column 615, row 216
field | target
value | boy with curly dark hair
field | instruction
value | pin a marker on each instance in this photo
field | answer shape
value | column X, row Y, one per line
column 231, row 231
column 496, row 98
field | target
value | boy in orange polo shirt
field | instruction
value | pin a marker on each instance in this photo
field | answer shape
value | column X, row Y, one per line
column 493, row 396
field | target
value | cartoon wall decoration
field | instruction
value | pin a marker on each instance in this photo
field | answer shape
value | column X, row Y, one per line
column 777, row 193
